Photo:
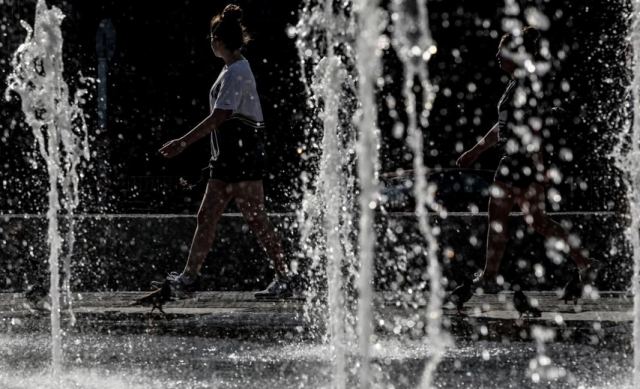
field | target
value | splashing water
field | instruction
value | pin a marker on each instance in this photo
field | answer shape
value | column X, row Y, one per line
column 368, row 55
column 627, row 156
column 327, row 229
column 414, row 45
column 330, row 69
column 541, row 369
column 326, row 37
column 60, row 132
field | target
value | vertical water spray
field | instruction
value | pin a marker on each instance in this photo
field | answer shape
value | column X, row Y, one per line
column 370, row 22
column 414, row 45
column 323, row 42
column 627, row 155
column 75, row 147
column 330, row 70
column 329, row 76
column 326, row 32
column 60, row 132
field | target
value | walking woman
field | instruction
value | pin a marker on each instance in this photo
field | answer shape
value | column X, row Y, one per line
column 236, row 130
column 520, row 176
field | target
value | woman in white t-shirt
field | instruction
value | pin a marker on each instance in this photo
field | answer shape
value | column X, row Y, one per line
column 236, row 130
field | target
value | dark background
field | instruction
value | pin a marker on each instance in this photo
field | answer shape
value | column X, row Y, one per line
column 163, row 68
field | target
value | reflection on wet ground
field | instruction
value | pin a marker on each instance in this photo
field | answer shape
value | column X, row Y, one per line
column 153, row 361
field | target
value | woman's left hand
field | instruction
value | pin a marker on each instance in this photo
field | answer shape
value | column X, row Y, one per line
column 172, row 148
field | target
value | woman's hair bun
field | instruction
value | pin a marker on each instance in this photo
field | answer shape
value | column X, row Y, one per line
column 232, row 12
column 228, row 27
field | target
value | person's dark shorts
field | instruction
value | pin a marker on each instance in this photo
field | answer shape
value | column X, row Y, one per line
column 242, row 153
column 517, row 171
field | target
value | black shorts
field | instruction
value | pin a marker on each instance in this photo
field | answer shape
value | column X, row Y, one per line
column 518, row 171
column 242, row 154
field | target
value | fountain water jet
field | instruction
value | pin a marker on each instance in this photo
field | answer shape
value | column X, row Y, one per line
column 60, row 132
column 325, row 36
column 331, row 73
column 327, row 229
column 415, row 46
column 627, row 155
column 368, row 51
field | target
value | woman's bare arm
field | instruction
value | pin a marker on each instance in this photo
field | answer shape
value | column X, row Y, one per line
column 204, row 128
column 488, row 141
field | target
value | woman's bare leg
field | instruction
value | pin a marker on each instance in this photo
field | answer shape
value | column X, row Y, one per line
column 215, row 200
column 249, row 197
column 500, row 205
column 533, row 205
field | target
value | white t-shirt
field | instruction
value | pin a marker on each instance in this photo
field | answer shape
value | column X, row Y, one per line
column 235, row 90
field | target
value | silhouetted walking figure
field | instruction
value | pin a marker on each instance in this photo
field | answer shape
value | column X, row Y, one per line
column 236, row 130
column 520, row 174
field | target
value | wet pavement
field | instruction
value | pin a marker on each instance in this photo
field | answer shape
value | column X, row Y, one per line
column 599, row 318
column 231, row 340
column 166, row 361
